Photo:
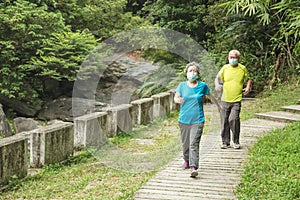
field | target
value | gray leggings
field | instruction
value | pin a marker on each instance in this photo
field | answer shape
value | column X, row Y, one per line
column 190, row 137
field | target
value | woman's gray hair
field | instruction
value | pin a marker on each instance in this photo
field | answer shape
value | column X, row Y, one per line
column 192, row 64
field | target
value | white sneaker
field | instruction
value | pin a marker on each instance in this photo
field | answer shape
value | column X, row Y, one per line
column 236, row 146
column 194, row 172
column 225, row 146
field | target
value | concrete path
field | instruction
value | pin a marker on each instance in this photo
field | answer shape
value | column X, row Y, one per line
column 220, row 169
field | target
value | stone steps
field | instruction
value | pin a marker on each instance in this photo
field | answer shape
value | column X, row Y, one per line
column 287, row 114
column 279, row 116
column 292, row 108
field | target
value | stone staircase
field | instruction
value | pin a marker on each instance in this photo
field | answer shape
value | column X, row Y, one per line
column 288, row 114
column 220, row 169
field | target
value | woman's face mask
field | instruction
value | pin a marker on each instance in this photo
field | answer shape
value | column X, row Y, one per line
column 192, row 76
column 192, row 73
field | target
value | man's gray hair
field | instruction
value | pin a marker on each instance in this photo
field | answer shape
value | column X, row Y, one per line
column 235, row 52
column 192, row 64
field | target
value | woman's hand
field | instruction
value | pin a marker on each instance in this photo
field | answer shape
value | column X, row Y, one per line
column 178, row 99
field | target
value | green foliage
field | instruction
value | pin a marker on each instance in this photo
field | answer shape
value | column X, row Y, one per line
column 165, row 78
column 24, row 28
column 267, row 34
column 272, row 171
column 49, row 39
column 182, row 16
column 104, row 18
column 36, row 43
column 60, row 57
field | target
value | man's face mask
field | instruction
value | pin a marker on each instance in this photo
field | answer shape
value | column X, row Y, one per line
column 233, row 61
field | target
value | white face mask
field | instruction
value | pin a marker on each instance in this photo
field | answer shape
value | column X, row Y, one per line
column 233, row 61
column 191, row 76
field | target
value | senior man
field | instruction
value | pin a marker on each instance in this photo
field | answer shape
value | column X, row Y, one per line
column 233, row 76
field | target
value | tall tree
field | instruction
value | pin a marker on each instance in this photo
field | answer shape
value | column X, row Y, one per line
column 180, row 15
column 28, row 35
column 282, row 18
column 267, row 33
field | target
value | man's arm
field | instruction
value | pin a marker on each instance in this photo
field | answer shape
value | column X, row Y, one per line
column 218, row 86
column 246, row 90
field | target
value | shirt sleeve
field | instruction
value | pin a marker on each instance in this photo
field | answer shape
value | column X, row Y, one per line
column 206, row 89
column 178, row 89
column 221, row 74
column 246, row 76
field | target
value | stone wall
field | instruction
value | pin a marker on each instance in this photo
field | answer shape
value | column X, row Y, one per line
column 13, row 158
column 54, row 143
column 51, row 144
column 90, row 129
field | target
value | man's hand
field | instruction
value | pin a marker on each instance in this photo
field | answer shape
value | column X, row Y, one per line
column 246, row 91
column 218, row 88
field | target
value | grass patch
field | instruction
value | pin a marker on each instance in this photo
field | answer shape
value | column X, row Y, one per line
column 85, row 177
column 159, row 133
column 271, row 100
column 273, row 170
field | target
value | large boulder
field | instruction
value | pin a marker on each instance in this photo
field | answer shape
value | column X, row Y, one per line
column 61, row 108
column 22, row 124
column 21, row 107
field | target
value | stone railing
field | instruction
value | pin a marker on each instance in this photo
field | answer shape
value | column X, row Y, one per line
column 55, row 143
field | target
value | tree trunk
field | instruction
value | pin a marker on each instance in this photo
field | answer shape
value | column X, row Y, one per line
column 272, row 81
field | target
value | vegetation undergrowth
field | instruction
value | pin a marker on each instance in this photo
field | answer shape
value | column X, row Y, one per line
column 83, row 176
column 273, row 170
column 272, row 100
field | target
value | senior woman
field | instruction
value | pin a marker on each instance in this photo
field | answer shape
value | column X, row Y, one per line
column 189, row 94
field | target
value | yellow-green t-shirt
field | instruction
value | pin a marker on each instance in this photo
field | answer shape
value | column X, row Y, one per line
column 233, row 81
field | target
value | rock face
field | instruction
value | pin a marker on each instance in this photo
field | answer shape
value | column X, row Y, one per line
column 22, row 124
column 20, row 106
column 61, row 109
column 117, row 85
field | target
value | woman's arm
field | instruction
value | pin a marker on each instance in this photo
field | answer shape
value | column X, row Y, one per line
column 178, row 98
column 215, row 101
